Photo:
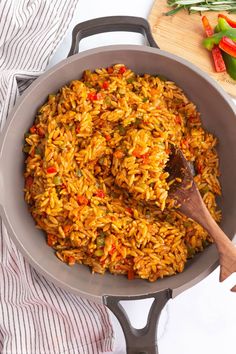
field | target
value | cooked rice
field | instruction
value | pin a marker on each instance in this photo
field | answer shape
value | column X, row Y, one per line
column 95, row 177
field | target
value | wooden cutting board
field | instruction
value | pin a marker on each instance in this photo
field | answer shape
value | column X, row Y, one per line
column 182, row 34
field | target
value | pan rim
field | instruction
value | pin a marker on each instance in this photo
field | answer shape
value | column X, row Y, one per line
column 39, row 81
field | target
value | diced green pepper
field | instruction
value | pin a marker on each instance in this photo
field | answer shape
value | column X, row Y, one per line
column 88, row 84
column 79, row 173
column 38, row 151
column 191, row 251
column 26, row 148
column 204, row 190
column 121, row 129
column 100, row 241
column 187, row 223
column 138, row 121
column 130, row 80
column 101, row 161
column 205, row 243
column 99, row 253
column 107, row 100
column 57, row 180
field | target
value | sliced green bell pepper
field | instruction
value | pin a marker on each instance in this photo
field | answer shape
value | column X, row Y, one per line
column 223, row 24
column 230, row 63
column 210, row 42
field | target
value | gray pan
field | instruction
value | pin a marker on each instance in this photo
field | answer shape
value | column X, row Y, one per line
column 218, row 116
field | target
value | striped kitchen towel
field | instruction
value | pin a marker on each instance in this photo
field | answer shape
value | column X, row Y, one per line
column 35, row 316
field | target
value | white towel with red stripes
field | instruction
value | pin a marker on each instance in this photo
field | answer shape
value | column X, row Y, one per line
column 35, row 316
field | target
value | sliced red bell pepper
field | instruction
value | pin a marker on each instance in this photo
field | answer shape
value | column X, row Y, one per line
column 228, row 20
column 216, row 53
column 218, row 60
column 228, row 46
column 207, row 27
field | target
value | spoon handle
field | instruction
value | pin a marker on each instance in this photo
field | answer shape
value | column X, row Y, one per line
column 226, row 248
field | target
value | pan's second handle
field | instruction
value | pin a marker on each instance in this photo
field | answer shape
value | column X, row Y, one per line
column 110, row 24
column 140, row 341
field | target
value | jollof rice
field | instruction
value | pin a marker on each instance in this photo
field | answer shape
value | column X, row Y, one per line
column 95, row 178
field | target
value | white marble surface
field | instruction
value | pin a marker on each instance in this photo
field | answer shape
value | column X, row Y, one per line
column 203, row 318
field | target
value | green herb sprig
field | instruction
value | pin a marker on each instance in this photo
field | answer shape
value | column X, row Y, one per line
column 193, row 6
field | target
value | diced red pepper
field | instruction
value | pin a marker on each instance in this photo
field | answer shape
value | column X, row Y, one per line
column 77, row 129
column 184, row 143
column 110, row 70
column 168, row 151
column 29, row 181
column 33, row 129
column 122, row 70
column 137, row 152
column 118, row 154
column 130, row 274
column 71, row 260
column 216, row 53
column 112, row 250
column 199, row 168
column 107, row 137
column 66, row 228
column 228, row 20
column 130, row 211
column 40, row 132
column 51, row 240
column 191, row 118
column 105, row 85
column 178, row 120
column 145, row 157
column 93, row 96
column 51, row 169
column 228, row 46
column 82, row 200
column 100, row 193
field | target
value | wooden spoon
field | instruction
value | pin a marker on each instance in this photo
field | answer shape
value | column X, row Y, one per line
column 186, row 195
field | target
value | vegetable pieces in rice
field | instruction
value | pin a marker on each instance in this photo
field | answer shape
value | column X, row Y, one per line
column 95, row 177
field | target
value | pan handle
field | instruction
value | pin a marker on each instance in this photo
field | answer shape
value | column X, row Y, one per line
column 144, row 340
column 110, row 24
